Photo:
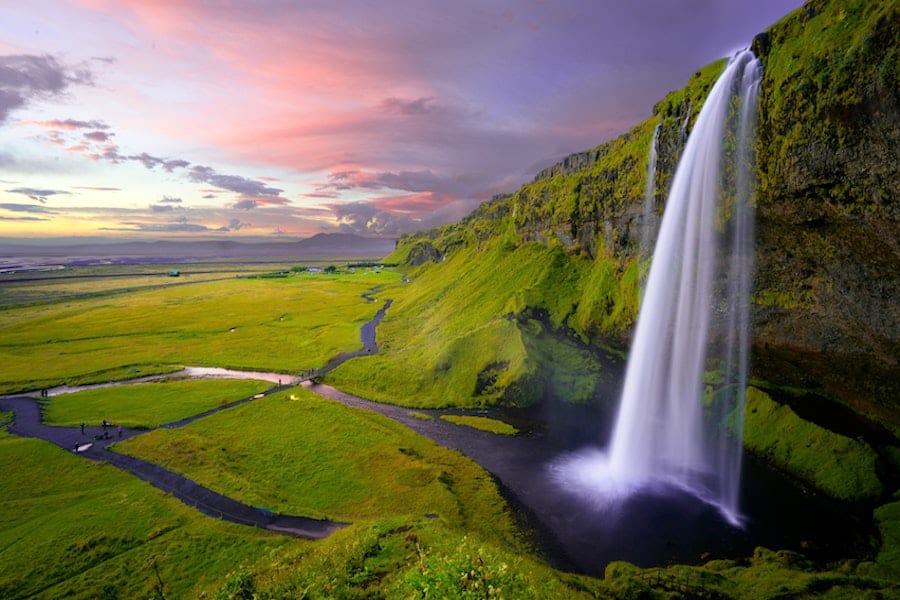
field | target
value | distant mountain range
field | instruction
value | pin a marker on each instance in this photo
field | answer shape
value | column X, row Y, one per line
column 319, row 246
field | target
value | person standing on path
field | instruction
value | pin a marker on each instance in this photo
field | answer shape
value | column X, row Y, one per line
column 119, row 430
column 82, row 429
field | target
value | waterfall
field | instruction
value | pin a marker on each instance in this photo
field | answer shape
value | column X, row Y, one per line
column 649, row 207
column 670, row 428
column 682, row 134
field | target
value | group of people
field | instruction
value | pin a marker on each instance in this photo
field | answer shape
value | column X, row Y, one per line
column 101, row 436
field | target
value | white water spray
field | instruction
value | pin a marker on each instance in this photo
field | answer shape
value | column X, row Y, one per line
column 665, row 433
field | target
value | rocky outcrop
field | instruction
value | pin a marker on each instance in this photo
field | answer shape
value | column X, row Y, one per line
column 828, row 158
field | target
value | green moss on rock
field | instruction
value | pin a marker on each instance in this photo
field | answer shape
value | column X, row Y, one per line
column 837, row 465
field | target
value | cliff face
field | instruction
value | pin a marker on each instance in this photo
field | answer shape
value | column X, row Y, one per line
column 828, row 159
column 826, row 311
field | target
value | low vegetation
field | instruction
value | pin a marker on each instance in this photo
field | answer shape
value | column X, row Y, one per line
column 72, row 528
column 407, row 558
column 232, row 324
column 839, row 466
column 147, row 405
column 316, row 457
column 477, row 329
column 482, row 423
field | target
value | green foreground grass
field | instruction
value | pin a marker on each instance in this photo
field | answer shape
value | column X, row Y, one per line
column 72, row 528
column 283, row 325
column 319, row 458
column 147, row 405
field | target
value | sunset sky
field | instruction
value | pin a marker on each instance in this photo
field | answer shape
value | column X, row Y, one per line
column 203, row 119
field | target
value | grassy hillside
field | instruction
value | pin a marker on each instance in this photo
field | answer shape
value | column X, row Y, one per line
column 468, row 332
column 562, row 250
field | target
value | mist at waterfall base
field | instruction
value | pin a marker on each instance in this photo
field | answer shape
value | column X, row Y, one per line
column 674, row 436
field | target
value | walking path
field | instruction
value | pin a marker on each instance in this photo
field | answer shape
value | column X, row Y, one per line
column 27, row 422
column 93, row 442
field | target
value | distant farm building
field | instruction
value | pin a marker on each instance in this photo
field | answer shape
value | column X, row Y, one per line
column 174, row 273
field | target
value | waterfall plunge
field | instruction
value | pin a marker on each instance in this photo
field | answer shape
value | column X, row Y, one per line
column 697, row 292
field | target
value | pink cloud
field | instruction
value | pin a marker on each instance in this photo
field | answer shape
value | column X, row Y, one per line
column 414, row 205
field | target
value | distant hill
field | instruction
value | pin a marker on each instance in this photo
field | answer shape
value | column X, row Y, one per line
column 323, row 245
column 345, row 244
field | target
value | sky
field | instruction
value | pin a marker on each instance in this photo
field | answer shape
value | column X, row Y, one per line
column 267, row 119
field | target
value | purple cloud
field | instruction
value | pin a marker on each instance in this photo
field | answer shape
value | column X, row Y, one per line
column 232, row 183
column 67, row 124
column 25, row 77
column 38, row 195
column 246, row 204
column 363, row 218
column 399, row 106
column 176, row 227
column 26, row 208
column 171, row 200
column 98, row 136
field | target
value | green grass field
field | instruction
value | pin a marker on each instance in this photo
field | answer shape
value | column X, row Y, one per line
column 85, row 281
column 315, row 457
column 71, row 528
column 482, row 423
column 282, row 325
column 147, row 404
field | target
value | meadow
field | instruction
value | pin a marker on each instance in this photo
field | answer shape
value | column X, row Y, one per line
column 425, row 521
column 279, row 324
column 88, row 281
column 314, row 457
column 71, row 528
column 146, row 405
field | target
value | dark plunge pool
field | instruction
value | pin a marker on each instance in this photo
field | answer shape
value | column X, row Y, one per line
column 649, row 529
column 664, row 525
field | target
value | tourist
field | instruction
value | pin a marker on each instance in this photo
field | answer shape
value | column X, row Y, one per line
column 119, row 429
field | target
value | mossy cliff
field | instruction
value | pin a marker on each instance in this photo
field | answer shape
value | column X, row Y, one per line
column 828, row 250
column 826, row 315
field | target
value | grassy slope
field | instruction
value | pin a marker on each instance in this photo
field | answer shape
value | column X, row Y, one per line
column 840, row 466
column 147, row 404
column 466, row 317
column 308, row 319
column 70, row 528
column 459, row 334
column 418, row 510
